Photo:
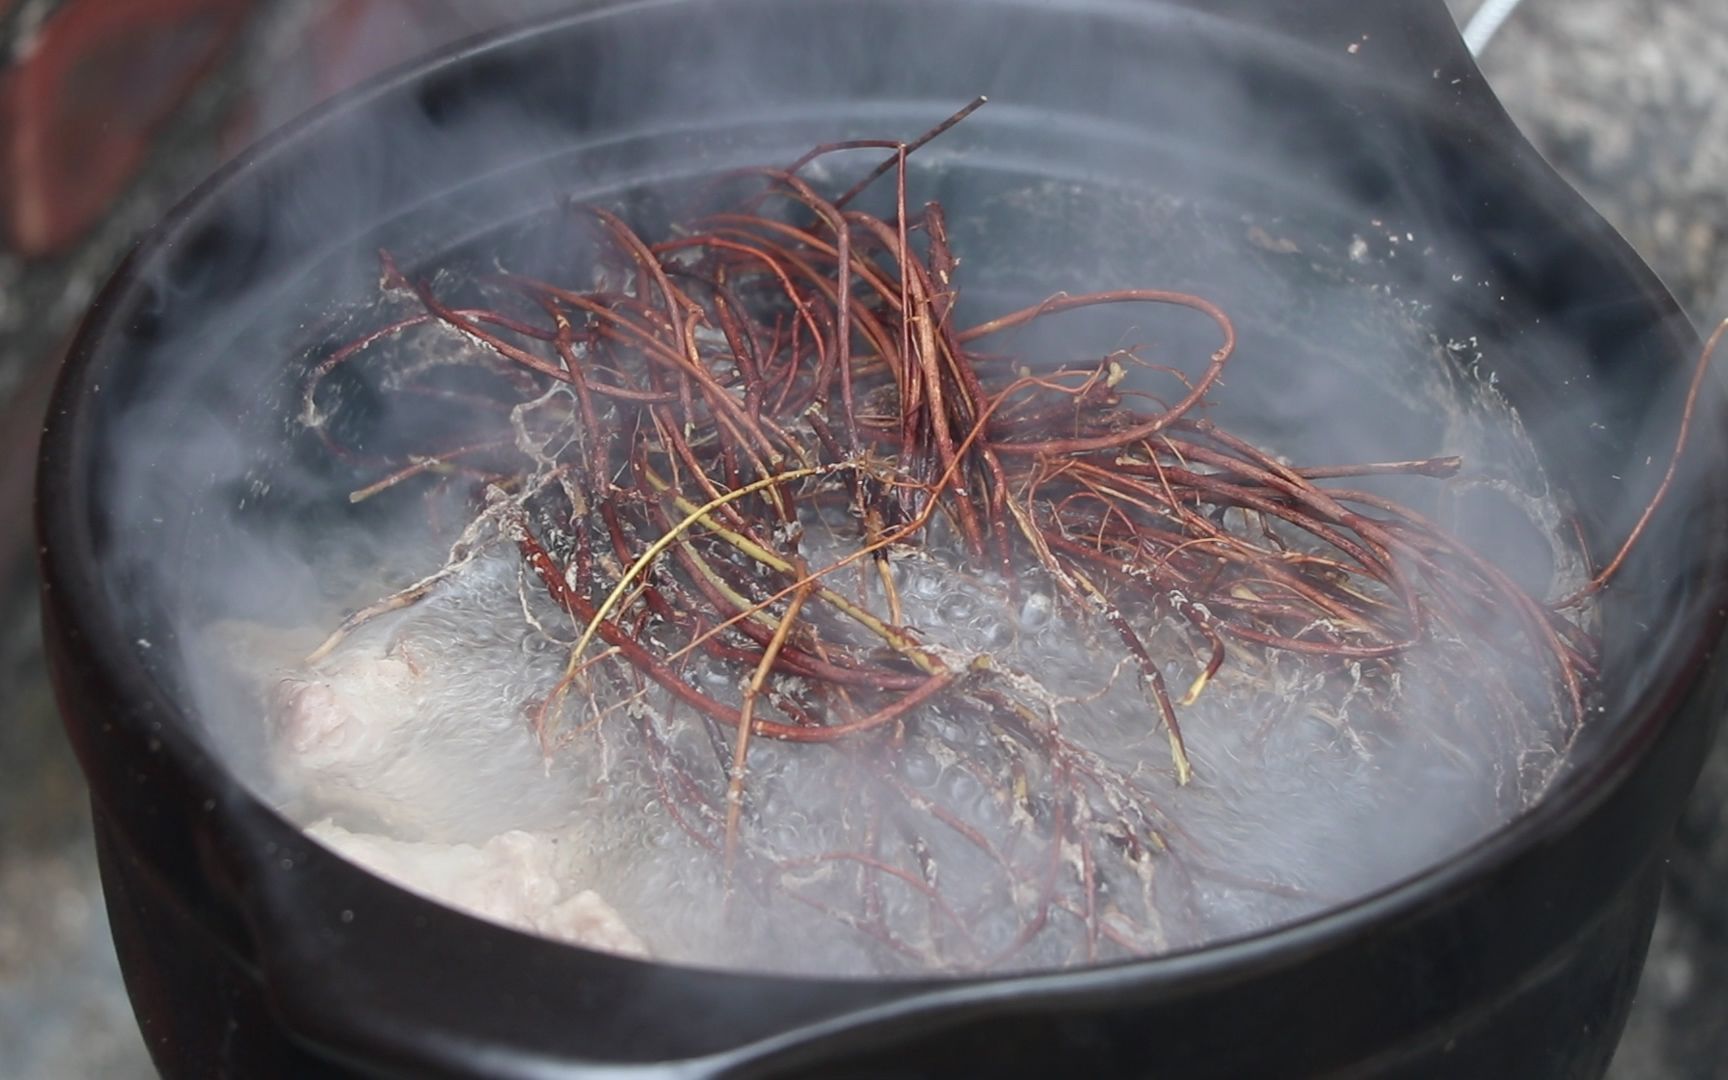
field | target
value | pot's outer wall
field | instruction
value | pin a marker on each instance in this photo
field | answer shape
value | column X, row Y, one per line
column 248, row 949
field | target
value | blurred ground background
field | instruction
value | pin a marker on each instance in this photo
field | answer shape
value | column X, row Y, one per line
column 111, row 109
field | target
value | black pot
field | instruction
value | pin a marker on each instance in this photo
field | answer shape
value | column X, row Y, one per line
column 249, row 950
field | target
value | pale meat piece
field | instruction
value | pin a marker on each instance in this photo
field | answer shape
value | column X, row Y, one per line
column 419, row 725
column 514, row 879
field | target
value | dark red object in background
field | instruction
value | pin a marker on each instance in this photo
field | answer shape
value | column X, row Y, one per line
column 80, row 103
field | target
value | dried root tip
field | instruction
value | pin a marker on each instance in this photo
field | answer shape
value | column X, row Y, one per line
column 1195, row 688
column 1179, row 758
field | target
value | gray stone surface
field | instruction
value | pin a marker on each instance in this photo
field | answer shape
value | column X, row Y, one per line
column 1629, row 98
column 63, row 1013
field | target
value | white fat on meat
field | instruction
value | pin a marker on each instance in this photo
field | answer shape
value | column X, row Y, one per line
column 516, row 878
column 418, row 725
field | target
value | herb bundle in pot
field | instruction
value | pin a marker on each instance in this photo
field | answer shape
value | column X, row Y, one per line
column 841, row 644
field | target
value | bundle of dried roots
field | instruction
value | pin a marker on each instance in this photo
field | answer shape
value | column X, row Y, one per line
column 717, row 451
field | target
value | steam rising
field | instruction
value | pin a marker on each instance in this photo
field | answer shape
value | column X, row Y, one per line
column 1371, row 330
